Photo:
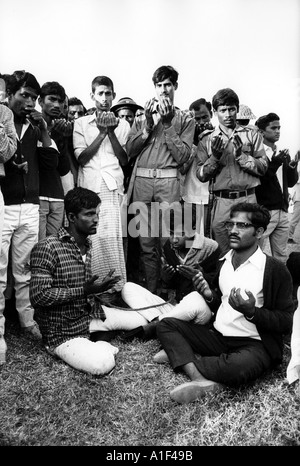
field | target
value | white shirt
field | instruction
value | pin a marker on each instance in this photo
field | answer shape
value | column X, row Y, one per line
column 104, row 165
column 249, row 276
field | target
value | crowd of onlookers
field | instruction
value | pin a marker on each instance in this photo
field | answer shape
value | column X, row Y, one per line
column 104, row 210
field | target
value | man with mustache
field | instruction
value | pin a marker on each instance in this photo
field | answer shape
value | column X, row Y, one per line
column 233, row 159
column 253, row 306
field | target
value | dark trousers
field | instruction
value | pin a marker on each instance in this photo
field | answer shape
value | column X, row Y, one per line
column 228, row 360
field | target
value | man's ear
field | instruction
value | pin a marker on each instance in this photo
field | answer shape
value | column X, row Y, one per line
column 92, row 96
column 40, row 101
column 114, row 95
column 71, row 217
column 259, row 232
column 175, row 86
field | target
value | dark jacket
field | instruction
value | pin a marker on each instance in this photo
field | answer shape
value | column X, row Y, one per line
column 269, row 193
column 50, row 176
column 19, row 187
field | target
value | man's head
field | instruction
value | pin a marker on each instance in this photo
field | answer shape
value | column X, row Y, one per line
column 226, row 106
column 247, row 223
column 180, row 221
column 23, row 90
column 76, row 109
column 202, row 112
column 269, row 126
column 82, row 210
column 126, row 108
column 165, row 81
column 52, row 99
column 103, row 93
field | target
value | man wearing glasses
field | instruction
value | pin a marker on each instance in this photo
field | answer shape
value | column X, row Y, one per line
column 252, row 305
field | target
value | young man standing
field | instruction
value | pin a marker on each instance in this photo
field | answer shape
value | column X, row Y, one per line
column 253, row 308
column 99, row 144
column 51, row 100
column 161, row 140
column 62, row 288
column 233, row 159
column 273, row 192
column 20, row 188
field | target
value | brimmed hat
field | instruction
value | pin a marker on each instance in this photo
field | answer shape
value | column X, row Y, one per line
column 126, row 102
column 245, row 113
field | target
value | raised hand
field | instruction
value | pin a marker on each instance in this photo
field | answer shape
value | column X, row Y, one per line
column 237, row 145
column 217, row 147
column 244, row 306
column 166, row 110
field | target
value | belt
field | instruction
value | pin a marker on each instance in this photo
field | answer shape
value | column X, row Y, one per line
column 234, row 194
column 157, row 172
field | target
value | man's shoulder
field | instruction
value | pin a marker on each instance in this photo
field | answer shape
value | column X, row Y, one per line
column 206, row 133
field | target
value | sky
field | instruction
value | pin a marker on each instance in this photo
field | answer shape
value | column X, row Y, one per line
column 251, row 46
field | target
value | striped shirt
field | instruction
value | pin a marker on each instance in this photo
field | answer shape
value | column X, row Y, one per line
column 8, row 136
column 58, row 272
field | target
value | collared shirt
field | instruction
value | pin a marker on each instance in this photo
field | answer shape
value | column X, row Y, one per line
column 164, row 148
column 8, row 136
column 248, row 276
column 104, row 165
column 58, row 273
column 231, row 172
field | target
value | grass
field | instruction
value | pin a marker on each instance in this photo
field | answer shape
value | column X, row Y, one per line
column 43, row 402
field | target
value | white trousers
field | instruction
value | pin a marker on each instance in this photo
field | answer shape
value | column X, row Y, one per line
column 20, row 229
column 97, row 358
column 192, row 307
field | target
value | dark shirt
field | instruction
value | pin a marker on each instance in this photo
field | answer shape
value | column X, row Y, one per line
column 17, row 186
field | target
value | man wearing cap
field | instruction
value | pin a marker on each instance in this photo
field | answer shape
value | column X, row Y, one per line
column 160, row 141
column 126, row 108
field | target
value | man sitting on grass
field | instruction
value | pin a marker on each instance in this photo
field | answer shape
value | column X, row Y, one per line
column 254, row 308
column 62, row 288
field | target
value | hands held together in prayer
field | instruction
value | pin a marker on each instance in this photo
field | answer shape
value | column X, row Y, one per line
column 106, row 122
column 165, row 108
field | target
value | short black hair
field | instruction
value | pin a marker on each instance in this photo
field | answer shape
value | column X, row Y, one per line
column 265, row 120
column 197, row 104
column 54, row 88
column 225, row 96
column 165, row 72
column 260, row 215
column 80, row 198
column 75, row 101
column 102, row 81
column 19, row 79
